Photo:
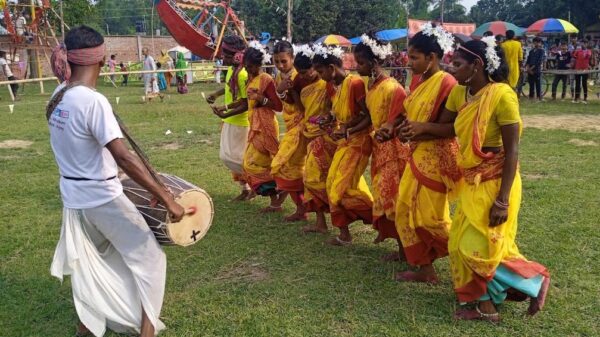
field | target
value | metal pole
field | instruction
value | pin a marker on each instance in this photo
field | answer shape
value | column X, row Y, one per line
column 62, row 21
column 442, row 12
column 289, row 20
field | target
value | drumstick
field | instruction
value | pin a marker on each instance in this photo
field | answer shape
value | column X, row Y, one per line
column 211, row 106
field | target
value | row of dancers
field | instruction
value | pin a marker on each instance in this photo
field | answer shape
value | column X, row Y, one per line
column 453, row 138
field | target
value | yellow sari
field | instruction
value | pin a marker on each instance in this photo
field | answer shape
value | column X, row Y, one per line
column 263, row 140
column 389, row 158
column 422, row 210
column 288, row 165
column 320, row 148
column 485, row 261
column 349, row 196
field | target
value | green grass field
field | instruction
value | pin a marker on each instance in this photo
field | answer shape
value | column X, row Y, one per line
column 254, row 275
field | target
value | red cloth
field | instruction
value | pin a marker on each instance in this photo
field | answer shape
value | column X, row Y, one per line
column 271, row 94
column 582, row 59
column 357, row 93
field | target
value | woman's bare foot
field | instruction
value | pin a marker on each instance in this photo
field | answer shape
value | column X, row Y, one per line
column 425, row 274
column 536, row 304
column 271, row 209
column 392, row 257
column 344, row 239
column 296, row 217
column 484, row 311
column 315, row 229
column 243, row 195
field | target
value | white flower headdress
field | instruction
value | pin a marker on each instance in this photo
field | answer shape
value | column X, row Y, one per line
column 493, row 60
column 266, row 57
column 443, row 37
column 326, row 51
column 380, row 51
column 304, row 49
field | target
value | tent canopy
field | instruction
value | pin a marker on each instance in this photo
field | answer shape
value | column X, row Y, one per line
column 414, row 26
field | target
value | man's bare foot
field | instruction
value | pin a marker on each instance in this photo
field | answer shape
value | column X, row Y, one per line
column 271, row 209
column 314, row 229
column 296, row 217
column 82, row 330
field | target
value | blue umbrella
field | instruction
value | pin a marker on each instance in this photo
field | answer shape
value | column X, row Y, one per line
column 392, row 34
column 355, row 40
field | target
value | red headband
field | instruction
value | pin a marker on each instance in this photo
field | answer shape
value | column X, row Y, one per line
column 84, row 57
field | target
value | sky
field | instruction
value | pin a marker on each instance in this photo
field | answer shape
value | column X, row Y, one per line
column 468, row 3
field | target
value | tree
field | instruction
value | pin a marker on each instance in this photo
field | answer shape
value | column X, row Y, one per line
column 453, row 11
column 502, row 10
column 77, row 12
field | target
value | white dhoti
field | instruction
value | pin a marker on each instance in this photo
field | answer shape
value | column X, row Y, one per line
column 116, row 267
column 151, row 87
column 233, row 145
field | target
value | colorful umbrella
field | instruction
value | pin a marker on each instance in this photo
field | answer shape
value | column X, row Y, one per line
column 497, row 27
column 552, row 26
column 336, row 40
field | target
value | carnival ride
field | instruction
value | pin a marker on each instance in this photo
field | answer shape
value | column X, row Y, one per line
column 199, row 25
column 29, row 33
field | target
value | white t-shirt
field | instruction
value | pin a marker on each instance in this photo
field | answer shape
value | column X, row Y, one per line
column 5, row 67
column 80, row 127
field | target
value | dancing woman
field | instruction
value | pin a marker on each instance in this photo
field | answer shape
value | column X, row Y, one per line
column 385, row 96
column 486, row 265
column 313, row 100
column 422, row 210
column 349, row 196
column 263, row 136
column 287, row 167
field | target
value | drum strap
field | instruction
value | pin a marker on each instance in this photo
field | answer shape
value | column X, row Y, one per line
column 58, row 97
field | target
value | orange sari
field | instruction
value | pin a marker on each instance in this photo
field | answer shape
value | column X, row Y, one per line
column 288, row 165
column 349, row 196
column 422, row 210
column 320, row 148
column 389, row 158
column 263, row 138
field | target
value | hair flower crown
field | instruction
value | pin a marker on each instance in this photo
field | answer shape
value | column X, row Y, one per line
column 326, row 51
column 380, row 51
column 443, row 37
column 493, row 60
column 266, row 57
column 305, row 49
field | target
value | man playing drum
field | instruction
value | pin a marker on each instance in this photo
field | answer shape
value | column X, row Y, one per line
column 117, row 268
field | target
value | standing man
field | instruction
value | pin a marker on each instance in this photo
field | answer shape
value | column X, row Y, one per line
column 8, row 72
column 150, row 79
column 234, row 134
column 117, row 268
column 533, row 66
column 563, row 62
column 583, row 59
column 513, row 51
column 112, row 67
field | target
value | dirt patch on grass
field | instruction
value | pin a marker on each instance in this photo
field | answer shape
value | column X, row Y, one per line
column 581, row 142
column 171, row 146
column 248, row 271
column 15, row 144
column 573, row 123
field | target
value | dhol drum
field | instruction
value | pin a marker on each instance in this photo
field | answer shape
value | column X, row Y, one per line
column 191, row 228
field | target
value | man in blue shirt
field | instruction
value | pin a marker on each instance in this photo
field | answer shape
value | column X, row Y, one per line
column 534, row 65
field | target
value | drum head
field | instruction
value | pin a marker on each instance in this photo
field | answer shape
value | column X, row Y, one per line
column 192, row 227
